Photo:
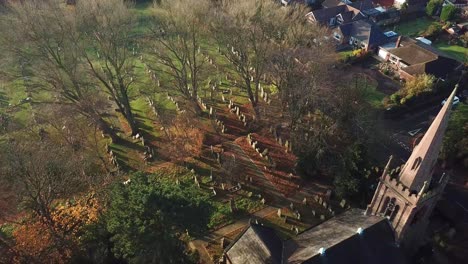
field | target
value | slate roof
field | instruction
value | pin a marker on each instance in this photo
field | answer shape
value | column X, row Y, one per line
column 343, row 244
column 368, row 33
column 422, row 58
column 331, row 3
column 325, row 14
column 338, row 236
column 439, row 67
column 362, row 5
column 258, row 244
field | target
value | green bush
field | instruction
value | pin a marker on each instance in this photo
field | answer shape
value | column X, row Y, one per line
column 448, row 12
column 414, row 89
column 433, row 31
column 395, row 98
column 432, row 7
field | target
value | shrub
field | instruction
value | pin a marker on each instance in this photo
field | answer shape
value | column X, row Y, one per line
column 395, row 98
column 448, row 12
column 432, row 7
column 433, row 31
column 414, row 89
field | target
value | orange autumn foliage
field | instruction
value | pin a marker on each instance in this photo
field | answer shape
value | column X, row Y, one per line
column 37, row 241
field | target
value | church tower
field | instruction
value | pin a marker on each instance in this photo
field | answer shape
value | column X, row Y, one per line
column 409, row 199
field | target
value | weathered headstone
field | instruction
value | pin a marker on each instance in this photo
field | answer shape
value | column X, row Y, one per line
column 343, row 203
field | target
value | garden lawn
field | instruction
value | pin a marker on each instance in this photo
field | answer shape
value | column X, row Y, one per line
column 413, row 28
column 455, row 51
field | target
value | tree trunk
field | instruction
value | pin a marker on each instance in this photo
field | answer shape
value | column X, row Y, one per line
column 129, row 115
column 106, row 129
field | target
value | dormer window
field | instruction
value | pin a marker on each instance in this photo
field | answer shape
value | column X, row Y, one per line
column 339, row 19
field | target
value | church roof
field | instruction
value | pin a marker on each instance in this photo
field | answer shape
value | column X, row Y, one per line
column 258, row 244
column 338, row 236
column 343, row 244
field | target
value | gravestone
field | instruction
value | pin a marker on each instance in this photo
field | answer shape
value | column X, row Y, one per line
column 279, row 213
column 232, row 205
column 222, row 243
column 343, row 203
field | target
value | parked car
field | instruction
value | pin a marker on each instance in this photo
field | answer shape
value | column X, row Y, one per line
column 456, row 101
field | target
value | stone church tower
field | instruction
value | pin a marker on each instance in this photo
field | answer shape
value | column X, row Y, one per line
column 409, row 199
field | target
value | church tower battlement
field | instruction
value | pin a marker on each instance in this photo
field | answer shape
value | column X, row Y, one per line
column 409, row 199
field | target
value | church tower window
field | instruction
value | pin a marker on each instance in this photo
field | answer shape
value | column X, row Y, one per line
column 416, row 163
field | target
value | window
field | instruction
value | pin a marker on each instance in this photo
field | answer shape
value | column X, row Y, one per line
column 384, row 205
column 336, row 36
column 416, row 163
column 394, row 213
column 339, row 19
column 390, row 208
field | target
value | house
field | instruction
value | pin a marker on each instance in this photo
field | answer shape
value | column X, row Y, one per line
column 340, row 14
column 412, row 57
column 383, row 16
column 355, row 23
column 351, row 237
column 333, row 3
column 411, row 5
column 360, row 34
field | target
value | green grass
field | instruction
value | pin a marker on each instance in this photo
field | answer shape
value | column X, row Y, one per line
column 343, row 54
column 413, row 28
column 375, row 97
column 457, row 52
column 371, row 94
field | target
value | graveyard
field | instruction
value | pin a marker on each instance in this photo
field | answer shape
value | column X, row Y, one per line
column 240, row 160
column 159, row 131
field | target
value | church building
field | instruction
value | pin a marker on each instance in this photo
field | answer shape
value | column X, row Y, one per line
column 393, row 225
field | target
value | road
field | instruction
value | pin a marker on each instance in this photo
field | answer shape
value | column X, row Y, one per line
column 399, row 141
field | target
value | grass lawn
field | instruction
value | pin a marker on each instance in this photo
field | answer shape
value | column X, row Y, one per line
column 457, row 52
column 342, row 55
column 372, row 95
column 413, row 28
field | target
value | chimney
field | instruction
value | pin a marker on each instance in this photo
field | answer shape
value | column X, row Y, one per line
column 397, row 44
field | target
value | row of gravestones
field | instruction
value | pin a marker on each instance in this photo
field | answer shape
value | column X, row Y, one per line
column 264, row 95
column 263, row 153
column 112, row 157
column 236, row 110
column 152, row 106
column 202, row 103
column 172, row 99
column 148, row 152
column 287, row 144
column 221, row 125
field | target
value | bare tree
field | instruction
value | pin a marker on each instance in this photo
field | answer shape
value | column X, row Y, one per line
column 108, row 26
column 178, row 45
column 43, row 39
column 246, row 32
column 184, row 138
